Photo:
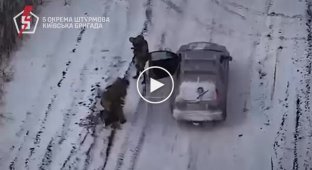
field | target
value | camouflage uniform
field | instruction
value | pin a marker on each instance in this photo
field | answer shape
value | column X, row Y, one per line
column 141, row 53
column 113, row 101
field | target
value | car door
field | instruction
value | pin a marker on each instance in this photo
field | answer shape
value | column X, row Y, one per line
column 165, row 59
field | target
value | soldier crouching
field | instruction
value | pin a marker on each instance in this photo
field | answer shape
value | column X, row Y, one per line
column 113, row 101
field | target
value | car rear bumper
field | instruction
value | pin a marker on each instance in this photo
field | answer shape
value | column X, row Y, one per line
column 198, row 115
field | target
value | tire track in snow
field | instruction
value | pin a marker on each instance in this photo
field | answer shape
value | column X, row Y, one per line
column 90, row 132
column 134, row 125
column 307, row 163
column 37, row 140
column 37, row 137
column 115, row 66
column 133, row 142
column 38, row 134
column 272, row 165
column 111, row 138
column 255, row 43
column 266, row 12
column 91, row 123
column 173, row 6
column 64, row 74
column 146, row 27
column 297, row 132
column 166, row 35
column 71, row 161
column 12, row 163
column 290, row 140
column 137, row 150
column 89, row 151
column 94, row 115
column 274, row 14
column 230, row 11
column 303, row 124
column 48, row 151
column 248, row 10
column 73, row 151
column 162, row 41
column 180, row 10
column 280, row 138
column 264, row 78
column 276, row 63
column 79, row 38
column 47, row 158
column 61, row 135
column 135, row 122
column 69, row 116
column 148, row 16
column 268, row 5
column 42, row 124
column 94, row 134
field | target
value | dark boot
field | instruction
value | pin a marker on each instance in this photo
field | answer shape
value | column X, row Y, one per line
column 122, row 121
column 144, row 79
column 137, row 75
column 116, row 125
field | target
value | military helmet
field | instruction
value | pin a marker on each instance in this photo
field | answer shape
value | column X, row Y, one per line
column 140, row 36
column 131, row 39
column 126, row 81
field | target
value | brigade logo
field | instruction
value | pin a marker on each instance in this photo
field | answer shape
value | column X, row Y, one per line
column 28, row 21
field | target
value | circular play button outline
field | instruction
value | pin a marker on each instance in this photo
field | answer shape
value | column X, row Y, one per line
column 172, row 87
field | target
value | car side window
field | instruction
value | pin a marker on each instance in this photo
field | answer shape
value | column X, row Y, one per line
column 222, row 68
column 161, row 56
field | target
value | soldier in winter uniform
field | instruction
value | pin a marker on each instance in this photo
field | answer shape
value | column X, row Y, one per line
column 141, row 53
column 113, row 101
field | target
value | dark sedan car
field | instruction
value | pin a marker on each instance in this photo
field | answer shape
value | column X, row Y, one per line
column 201, row 92
column 200, row 71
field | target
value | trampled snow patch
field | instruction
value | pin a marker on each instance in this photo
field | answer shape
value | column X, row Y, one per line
column 132, row 99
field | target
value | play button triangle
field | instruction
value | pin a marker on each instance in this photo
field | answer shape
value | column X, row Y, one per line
column 154, row 85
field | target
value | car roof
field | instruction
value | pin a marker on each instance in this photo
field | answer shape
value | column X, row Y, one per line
column 207, row 46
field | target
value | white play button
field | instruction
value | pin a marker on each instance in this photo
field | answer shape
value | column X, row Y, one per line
column 156, row 90
column 154, row 85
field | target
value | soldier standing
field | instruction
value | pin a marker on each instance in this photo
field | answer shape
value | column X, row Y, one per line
column 141, row 54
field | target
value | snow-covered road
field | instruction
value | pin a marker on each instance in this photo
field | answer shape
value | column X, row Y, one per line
column 58, row 72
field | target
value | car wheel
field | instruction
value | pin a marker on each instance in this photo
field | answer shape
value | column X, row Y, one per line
column 224, row 113
column 171, row 107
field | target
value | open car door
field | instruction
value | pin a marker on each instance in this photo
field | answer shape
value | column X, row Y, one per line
column 165, row 59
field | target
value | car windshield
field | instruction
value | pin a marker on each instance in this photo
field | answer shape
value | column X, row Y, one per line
column 197, row 66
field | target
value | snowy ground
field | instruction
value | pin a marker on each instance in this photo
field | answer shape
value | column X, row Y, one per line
column 58, row 72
